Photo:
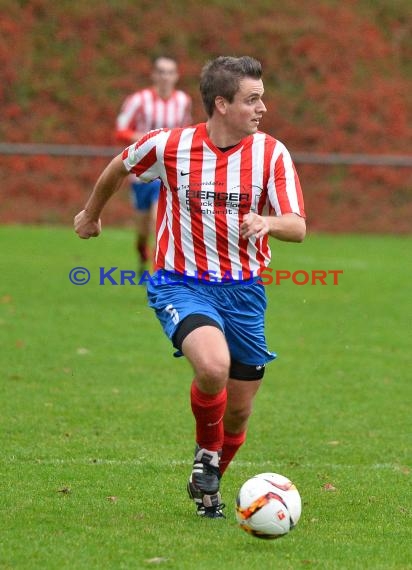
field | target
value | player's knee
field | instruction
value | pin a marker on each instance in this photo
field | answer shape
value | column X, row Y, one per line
column 213, row 371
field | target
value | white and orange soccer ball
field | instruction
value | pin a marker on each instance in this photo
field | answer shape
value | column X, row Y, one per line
column 268, row 506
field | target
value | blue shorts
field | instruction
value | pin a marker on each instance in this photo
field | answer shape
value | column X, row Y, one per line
column 144, row 194
column 238, row 309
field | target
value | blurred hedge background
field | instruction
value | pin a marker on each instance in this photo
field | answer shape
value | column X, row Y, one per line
column 337, row 78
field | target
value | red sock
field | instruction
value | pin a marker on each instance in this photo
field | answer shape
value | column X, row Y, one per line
column 208, row 410
column 231, row 444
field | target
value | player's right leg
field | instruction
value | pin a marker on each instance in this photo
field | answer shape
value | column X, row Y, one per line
column 206, row 349
column 195, row 329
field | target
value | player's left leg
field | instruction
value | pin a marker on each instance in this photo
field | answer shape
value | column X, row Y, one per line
column 244, row 331
column 240, row 396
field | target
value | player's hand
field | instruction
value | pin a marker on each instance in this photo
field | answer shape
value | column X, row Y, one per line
column 254, row 225
column 85, row 227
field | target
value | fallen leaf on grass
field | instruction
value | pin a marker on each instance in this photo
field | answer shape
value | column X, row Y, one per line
column 156, row 560
column 6, row 299
column 334, row 442
column 82, row 351
column 329, row 487
column 138, row 516
column 112, row 499
column 65, row 490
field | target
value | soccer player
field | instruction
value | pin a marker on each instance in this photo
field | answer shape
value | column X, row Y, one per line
column 160, row 105
column 226, row 187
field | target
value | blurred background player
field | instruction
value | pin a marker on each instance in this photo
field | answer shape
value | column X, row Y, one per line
column 158, row 106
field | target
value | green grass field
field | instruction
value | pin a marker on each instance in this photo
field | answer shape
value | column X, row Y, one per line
column 97, row 433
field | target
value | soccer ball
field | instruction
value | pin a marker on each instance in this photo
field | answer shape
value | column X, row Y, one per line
column 268, row 506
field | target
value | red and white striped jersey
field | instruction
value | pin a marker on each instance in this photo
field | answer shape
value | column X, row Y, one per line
column 206, row 192
column 145, row 110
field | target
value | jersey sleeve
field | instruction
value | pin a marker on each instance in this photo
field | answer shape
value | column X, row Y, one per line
column 141, row 158
column 126, row 120
column 187, row 117
column 284, row 189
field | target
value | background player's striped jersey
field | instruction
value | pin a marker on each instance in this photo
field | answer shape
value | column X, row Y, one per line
column 145, row 110
column 205, row 194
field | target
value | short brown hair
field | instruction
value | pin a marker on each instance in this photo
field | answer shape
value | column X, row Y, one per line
column 221, row 77
column 156, row 60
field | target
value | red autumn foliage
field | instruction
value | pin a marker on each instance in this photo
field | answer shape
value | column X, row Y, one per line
column 337, row 79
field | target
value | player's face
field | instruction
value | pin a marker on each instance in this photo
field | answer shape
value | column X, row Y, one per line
column 247, row 108
column 165, row 75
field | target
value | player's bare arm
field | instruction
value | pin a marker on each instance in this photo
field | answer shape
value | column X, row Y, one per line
column 289, row 227
column 87, row 223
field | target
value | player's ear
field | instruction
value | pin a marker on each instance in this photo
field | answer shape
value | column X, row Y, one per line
column 221, row 104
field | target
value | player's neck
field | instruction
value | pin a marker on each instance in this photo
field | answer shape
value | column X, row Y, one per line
column 220, row 135
column 164, row 93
